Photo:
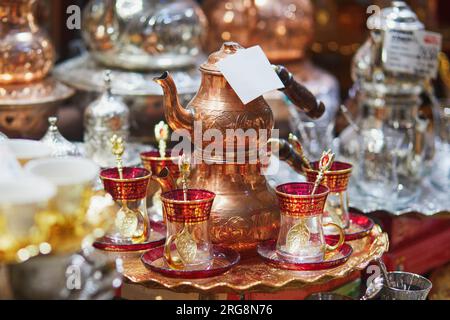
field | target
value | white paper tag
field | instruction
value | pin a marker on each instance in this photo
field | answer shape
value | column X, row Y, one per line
column 249, row 73
column 413, row 52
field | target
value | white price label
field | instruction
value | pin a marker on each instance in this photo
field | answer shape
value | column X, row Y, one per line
column 413, row 52
column 249, row 73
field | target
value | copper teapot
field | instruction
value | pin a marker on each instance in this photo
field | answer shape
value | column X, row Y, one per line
column 245, row 210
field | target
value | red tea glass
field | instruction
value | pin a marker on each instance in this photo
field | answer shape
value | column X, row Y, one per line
column 131, row 223
column 152, row 161
column 336, row 179
column 188, row 243
column 301, row 238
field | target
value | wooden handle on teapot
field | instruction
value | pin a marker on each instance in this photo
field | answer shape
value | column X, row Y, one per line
column 299, row 95
column 287, row 154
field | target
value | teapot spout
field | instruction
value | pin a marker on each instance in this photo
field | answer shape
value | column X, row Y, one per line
column 176, row 115
column 165, row 180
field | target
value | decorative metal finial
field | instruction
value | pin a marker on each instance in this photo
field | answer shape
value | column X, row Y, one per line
column 52, row 121
column 298, row 148
column 60, row 146
column 325, row 163
column 161, row 135
column 184, row 165
column 118, row 149
column 107, row 80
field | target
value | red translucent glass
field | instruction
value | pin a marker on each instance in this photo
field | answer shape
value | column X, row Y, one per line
column 133, row 185
column 153, row 161
column 223, row 260
column 301, row 189
column 295, row 199
column 196, row 207
column 336, row 166
column 336, row 179
column 267, row 251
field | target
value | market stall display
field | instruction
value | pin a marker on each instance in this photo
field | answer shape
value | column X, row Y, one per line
column 217, row 202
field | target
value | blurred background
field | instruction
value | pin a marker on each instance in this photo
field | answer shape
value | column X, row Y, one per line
column 340, row 29
column 337, row 30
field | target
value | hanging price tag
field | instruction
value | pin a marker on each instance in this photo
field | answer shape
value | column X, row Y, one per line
column 412, row 52
column 249, row 73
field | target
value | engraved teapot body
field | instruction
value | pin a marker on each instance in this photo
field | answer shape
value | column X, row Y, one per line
column 245, row 209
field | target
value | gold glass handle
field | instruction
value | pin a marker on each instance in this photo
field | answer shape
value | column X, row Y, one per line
column 341, row 237
column 145, row 235
column 173, row 262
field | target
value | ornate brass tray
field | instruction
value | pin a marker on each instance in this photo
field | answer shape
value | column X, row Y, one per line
column 252, row 274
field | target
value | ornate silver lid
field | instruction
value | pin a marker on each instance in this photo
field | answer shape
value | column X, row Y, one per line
column 398, row 16
column 99, row 112
column 368, row 69
column 103, row 118
column 60, row 146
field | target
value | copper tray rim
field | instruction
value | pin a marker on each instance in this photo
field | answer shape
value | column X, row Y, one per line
column 186, row 285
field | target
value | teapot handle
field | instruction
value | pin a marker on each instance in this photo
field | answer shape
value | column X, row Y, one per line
column 299, row 95
column 287, row 154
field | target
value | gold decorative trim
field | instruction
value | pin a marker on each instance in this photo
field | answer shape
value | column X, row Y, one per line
column 252, row 274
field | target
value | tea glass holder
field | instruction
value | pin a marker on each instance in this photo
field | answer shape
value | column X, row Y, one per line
column 336, row 179
column 188, row 243
column 301, row 238
column 403, row 286
column 129, row 191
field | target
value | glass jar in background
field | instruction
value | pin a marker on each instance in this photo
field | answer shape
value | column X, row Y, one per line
column 387, row 147
column 440, row 176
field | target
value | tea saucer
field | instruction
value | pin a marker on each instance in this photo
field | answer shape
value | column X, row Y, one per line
column 157, row 238
column 224, row 259
column 267, row 251
column 360, row 226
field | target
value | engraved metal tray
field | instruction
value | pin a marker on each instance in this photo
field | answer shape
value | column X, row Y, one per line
column 253, row 275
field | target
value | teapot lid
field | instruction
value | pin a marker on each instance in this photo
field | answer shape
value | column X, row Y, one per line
column 227, row 49
column 398, row 16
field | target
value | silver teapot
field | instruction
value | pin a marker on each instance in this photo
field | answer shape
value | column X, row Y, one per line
column 389, row 140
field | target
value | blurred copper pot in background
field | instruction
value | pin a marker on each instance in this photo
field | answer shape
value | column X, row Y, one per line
column 283, row 28
column 26, row 53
